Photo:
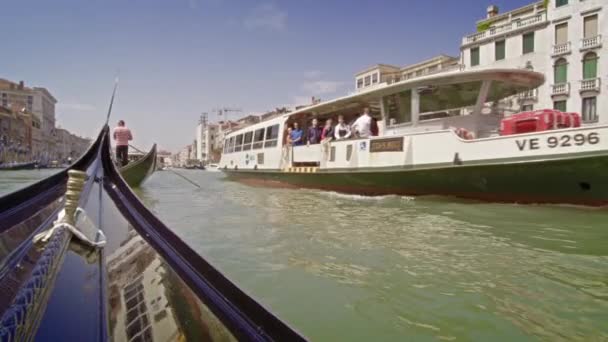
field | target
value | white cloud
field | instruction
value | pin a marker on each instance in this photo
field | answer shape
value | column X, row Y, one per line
column 266, row 16
column 83, row 107
column 312, row 74
column 321, row 87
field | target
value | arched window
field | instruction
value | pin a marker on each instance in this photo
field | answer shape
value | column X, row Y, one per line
column 560, row 71
column 590, row 66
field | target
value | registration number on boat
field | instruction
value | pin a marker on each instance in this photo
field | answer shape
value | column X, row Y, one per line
column 565, row 140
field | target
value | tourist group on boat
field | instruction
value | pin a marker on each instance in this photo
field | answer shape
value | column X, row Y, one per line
column 364, row 127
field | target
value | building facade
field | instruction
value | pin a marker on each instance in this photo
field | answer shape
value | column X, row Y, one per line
column 69, row 146
column 20, row 135
column 563, row 39
column 205, row 141
column 385, row 73
column 38, row 101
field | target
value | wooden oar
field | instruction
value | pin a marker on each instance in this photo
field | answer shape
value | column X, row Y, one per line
column 175, row 172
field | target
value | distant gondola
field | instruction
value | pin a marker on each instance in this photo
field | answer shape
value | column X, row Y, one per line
column 18, row 166
column 82, row 259
column 138, row 171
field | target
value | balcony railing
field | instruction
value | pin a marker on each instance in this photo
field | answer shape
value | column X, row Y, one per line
column 515, row 24
column 560, row 89
column 531, row 94
column 560, row 49
column 592, row 84
column 591, row 43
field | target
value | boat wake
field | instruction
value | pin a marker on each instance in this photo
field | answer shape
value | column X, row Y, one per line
column 339, row 195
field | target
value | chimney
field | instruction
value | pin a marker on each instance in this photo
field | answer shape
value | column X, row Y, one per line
column 21, row 85
column 492, row 11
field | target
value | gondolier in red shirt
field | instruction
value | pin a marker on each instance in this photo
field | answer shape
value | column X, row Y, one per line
column 122, row 135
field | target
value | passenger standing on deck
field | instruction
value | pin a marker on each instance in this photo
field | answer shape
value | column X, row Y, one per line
column 122, row 135
column 296, row 135
column 328, row 131
column 327, row 135
column 342, row 131
column 314, row 132
column 363, row 124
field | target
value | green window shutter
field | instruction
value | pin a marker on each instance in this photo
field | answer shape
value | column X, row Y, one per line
column 590, row 68
column 474, row 56
column 528, row 42
column 559, row 3
column 500, row 50
column 560, row 73
column 560, row 105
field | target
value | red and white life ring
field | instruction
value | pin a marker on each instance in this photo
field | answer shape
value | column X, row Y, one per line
column 464, row 134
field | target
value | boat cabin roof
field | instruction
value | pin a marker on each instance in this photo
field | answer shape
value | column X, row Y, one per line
column 444, row 90
column 456, row 86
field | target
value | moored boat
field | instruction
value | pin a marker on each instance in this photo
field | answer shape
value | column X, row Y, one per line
column 138, row 170
column 84, row 260
column 18, row 166
column 437, row 135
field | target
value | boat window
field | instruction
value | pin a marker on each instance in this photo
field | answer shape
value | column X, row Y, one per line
column 260, row 158
column 239, row 143
column 398, row 107
column 272, row 134
column 225, row 146
column 247, row 141
column 349, row 151
column 258, row 138
column 446, row 100
column 231, row 145
column 332, row 154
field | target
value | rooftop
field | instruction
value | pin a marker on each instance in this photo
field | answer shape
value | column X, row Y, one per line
column 377, row 66
column 511, row 13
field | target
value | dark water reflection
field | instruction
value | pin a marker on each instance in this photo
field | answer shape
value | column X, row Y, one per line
column 354, row 268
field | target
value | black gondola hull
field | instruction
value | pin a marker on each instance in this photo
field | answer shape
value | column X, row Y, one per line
column 145, row 283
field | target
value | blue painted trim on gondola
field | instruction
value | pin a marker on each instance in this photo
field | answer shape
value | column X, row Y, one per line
column 247, row 320
column 17, row 315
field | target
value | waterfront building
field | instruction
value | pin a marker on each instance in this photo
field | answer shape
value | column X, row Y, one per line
column 385, row 73
column 563, row 39
column 183, row 157
column 20, row 136
column 205, row 140
column 163, row 158
column 68, row 145
column 36, row 100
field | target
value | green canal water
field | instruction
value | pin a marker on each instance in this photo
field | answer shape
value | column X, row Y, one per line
column 349, row 268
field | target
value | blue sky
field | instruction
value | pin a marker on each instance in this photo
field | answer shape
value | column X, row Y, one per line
column 178, row 58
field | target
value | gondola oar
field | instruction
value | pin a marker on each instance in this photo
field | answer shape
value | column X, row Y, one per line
column 175, row 172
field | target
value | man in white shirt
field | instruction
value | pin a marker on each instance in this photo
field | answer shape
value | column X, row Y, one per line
column 362, row 126
column 341, row 131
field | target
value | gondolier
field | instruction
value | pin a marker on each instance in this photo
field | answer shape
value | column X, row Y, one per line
column 122, row 135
